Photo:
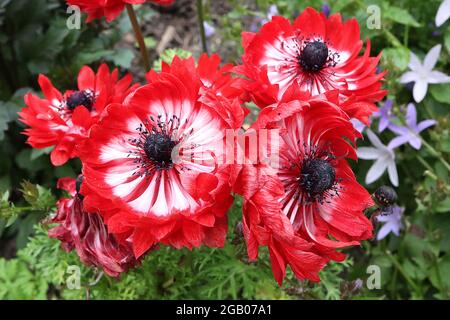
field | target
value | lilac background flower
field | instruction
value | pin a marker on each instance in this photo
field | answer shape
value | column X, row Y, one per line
column 326, row 9
column 392, row 222
column 209, row 29
column 384, row 158
column 411, row 132
column 271, row 12
column 385, row 115
column 443, row 13
column 423, row 74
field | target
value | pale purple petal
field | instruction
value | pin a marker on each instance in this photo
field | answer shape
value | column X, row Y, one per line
column 368, row 153
column 384, row 123
column 438, row 77
column 432, row 57
column 388, row 105
column 414, row 62
column 420, row 90
column 415, row 142
column 409, row 76
column 425, row 124
column 376, row 114
column 396, row 229
column 384, row 231
column 443, row 13
column 375, row 140
column 209, row 29
column 384, row 218
column 358, row 125
column 398, row 129
column 398, row 141
column 393, row 175
column 376, row 170
column 392, row 222
column 273, row 11
column 411, row 115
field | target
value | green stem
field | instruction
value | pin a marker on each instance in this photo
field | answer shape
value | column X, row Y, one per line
column 406, row 36
column 436, row 153
column 139, row 36
column 201, row 18
column 392, row 38
column 425, row 163
column 439, row 279
column 403, row 273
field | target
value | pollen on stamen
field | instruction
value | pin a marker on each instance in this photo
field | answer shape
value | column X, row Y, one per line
column 157, row 138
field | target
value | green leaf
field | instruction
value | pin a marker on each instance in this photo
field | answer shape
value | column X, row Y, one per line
column 397, row 57
column 9, row 110
column 443, row 206
column 401, row 16
column 122, row 57
column 17, row 282
column 89, row 57
column 38, row 197
column 447, row 40
column 150, row 42
column 440, row 275
column 441, row 92
column 36, row 153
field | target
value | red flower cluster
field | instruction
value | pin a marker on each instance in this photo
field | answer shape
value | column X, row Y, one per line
column 110, row 9
column 161, row 160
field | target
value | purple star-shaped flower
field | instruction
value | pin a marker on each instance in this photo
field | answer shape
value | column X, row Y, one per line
column 385, row 115
column 392, row 222
column 411, row 132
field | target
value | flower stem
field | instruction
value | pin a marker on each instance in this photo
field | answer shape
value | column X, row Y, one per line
column 406, row 36
column 436, row 153
column 392, row 38
column 201, row 18
column 403, row 273
column 139, row 37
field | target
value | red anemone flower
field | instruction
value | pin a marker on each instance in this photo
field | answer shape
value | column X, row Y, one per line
column 159, row 159
column 63, row 120
column 265, row 225
column 110, row 9
column 310, row 193
column 87, row 234
column 215, row 79
column 317, row 54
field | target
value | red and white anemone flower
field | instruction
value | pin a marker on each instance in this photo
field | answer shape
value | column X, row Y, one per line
column 315, row 53
column 311, row 194
column 265, row 225
column 87, row 234
column 110, row 9
column 158, row 158
column 63, row 120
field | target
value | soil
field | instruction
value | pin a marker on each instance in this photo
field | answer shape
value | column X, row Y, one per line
column 176, row 26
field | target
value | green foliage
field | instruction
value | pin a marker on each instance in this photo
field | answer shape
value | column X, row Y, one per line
column 34, row 39
column 18, row 282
